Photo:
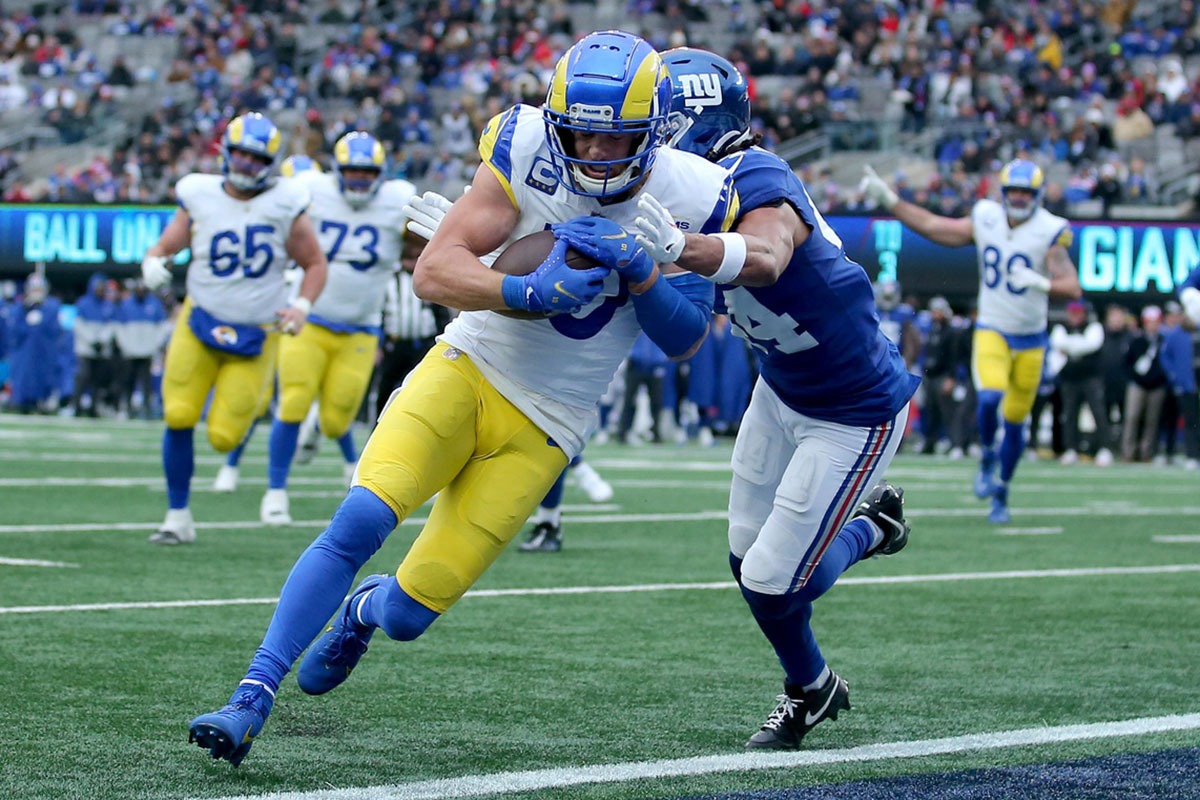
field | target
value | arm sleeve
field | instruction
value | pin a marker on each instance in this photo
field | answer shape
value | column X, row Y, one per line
column 675, row 312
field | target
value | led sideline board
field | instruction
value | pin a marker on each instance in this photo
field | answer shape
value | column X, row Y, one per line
column 1120, row 257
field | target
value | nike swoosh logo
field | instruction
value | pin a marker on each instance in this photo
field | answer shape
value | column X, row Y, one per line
column 812, row 719
column 558, row 287
column 247, row 737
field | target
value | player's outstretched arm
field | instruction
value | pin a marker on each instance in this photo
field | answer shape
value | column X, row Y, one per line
column 754, row 254
column 1064, row 279
column 304, row 248
column 448, row 271
column 948, row 231
column 176, row 236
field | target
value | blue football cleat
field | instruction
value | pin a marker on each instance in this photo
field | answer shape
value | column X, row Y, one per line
column 984, row 483
column 336, row 652
column 229, row 733
column 999, row 512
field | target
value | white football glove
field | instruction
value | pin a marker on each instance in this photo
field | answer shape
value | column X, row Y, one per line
column 1022, row 277
column 425, row 213
column 877, row 189
column 1190, row 299
column 155, row 272
column 656, row 231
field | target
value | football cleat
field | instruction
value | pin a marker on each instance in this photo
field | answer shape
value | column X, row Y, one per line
column 273, row 510
column 338, row 649
column 884, row 505
column 984, row 483
column 177, row 528
column 596, row 488
column 229, row 733
column 1104, row 457
column 999, row 513
column 799, row 712
column 226, row 480
column 546, row 537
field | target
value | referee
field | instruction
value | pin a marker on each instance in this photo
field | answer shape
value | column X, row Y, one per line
column 409, row 325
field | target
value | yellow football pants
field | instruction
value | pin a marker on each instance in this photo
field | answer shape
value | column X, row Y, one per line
column 448, row 429
column 334, row 367
column 238, row 384
column 1016, row 373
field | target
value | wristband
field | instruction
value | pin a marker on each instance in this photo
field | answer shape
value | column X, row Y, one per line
column 733, row 260
column 302, row 304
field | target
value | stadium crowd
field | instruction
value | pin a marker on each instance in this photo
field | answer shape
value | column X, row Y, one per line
column 1087, row 86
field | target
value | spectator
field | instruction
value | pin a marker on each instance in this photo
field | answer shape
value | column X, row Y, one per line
column 1108, row 189
column 32, row 340
column 1177, row 357
column 1112, row 365
column 1145, row 391
column 647, row 366
column 941, row 377
column 94, row 327
column 1079, row 341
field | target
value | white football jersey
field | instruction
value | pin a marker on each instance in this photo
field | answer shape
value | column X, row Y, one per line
column 555, row 370
column 238, row 246
column 362, row 245
column 1000, row 249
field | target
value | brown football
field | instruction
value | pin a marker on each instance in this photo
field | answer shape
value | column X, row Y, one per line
column 526, row 254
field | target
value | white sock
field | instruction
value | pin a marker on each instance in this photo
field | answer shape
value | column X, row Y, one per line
column 551, row 515
column 820, row 681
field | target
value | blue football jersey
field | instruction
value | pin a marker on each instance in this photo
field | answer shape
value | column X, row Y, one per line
column 816, row 330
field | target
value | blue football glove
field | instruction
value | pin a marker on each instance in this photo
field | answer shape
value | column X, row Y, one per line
column 607, row 242
column 554, row 287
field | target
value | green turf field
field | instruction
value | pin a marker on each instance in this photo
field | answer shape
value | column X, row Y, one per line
column 1062, row 618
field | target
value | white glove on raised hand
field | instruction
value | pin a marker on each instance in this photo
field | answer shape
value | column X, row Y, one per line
column 1190, row 299
column 155, row 272
column 656, row 232
column 1021, row 277
column 425, row 213
column 877, row 189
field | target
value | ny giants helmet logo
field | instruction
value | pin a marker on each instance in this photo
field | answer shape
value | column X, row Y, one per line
column 700, row 91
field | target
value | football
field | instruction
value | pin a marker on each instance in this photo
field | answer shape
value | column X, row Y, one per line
column 526, row 254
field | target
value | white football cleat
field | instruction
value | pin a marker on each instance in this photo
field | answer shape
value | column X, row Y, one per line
column 1104, row 457
column 348, row 470
column 177, row 528
column 1068, row 458
column 274, row 508
column 226, row 480
column 596, row 488
column 704, row 437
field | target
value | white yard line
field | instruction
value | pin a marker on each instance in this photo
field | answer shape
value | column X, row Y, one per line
column 950, row 577
column 1182, row 538
column 624, row 772
column 34, row 562
column 1029, row 531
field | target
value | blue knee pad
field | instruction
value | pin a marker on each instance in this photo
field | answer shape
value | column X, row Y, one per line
column 398, row 615
column 359, row 527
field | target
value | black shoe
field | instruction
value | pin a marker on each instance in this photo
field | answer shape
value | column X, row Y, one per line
column 545, row 537
column 799, row 712
column 884, row 505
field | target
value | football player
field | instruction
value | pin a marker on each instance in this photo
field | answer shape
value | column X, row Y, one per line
column 1022, row 261
column 242, row 227
column 359, row 219
column 227, row 475
column 829, row 407
column 499, row 406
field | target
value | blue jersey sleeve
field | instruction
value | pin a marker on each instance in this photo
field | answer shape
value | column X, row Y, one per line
column 763, row 179
column 726, row 210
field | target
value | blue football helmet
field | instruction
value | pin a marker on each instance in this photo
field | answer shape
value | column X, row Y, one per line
column 358, row 150
column 293, row 165
column 249, row 151
column 612, row 82
column 710, row 103
column 1026, row 175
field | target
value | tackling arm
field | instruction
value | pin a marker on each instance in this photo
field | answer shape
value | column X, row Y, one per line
column 771, row 234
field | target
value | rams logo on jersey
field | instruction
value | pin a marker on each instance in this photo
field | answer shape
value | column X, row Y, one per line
column 225, row 335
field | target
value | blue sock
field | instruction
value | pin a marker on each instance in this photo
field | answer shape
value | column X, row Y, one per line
column 1011, row 449
column 391, row 608
column 346, row 442
column 784, row 620
column 235, row 455
column 284, row 436
column 319, row 582
column 553, row 498
column 178, row 464
column 989, row 403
